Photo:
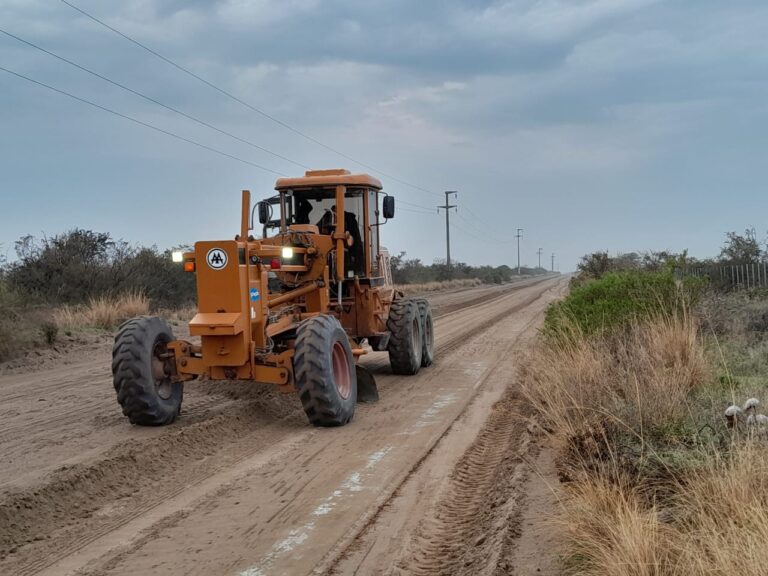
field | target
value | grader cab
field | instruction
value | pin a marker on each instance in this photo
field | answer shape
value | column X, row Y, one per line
column 297, row 307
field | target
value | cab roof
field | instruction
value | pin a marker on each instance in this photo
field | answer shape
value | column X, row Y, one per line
column 325, row 178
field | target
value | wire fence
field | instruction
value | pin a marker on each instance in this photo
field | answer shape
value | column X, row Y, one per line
column 730, row 276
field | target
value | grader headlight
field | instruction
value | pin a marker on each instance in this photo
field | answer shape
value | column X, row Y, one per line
column 177, row 256
column 287, row 252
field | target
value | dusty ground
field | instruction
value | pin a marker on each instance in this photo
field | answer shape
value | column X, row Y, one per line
column 436, row 478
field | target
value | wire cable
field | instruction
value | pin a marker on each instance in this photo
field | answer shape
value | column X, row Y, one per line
column 484, row 232
column 485, row 223
column 152, row 100
column 246, row 104
column 141, row 122
column 427, row 208
column 417, row 211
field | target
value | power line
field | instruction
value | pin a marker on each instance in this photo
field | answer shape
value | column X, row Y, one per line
column 153, row 100
column 417, row 211
column 481, row 231
column 427, row 208
column 484, row 222
column 244, row 103
column 141, row 122
column 472, row 235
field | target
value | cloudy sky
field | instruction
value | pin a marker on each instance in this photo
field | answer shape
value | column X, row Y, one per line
column 592, row 124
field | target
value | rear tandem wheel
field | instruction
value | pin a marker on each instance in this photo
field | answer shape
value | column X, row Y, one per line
column 427, row 326
column 406, row 340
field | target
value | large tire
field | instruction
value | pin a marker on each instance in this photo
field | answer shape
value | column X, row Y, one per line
column 405, row 341
column 428, row 334
column 144, row 390
column 324, row 371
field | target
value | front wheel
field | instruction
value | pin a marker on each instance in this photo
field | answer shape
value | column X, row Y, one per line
column 141, row 371
column 324, row 370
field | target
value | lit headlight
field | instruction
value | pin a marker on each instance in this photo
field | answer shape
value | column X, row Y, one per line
column 177, row 255
column 287, row 252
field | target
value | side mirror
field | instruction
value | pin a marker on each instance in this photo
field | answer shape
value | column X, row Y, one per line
column 389, row 207
column 263, row 212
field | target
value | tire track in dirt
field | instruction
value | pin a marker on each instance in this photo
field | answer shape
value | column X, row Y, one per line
column 466, row 532
column 506, row 428
column 485, row 491
column 81, row 503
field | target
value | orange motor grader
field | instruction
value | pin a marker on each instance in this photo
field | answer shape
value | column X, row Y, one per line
column 297, row 307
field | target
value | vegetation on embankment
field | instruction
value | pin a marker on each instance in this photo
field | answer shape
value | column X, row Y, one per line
column 655, row 481
column 82, row 280
column 413, row 271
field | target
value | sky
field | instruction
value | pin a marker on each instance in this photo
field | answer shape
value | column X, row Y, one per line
column 619, row 125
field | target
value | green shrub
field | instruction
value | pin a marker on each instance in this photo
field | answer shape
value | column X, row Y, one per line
column 617, row 299
column 76, row 266
column 18, row 327
column 50, row 331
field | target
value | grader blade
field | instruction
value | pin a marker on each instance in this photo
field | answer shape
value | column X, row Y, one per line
column 366, row 385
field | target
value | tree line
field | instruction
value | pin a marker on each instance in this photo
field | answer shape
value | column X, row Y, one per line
column 738, row 249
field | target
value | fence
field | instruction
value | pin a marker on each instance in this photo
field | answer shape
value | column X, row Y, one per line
column 731, row 276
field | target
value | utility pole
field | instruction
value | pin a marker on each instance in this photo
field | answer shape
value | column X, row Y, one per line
column 553, row 261
column 518, row 236
column 447, row 207
column 539, row 251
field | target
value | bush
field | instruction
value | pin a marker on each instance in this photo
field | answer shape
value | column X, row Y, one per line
column 49, row 331
column 414, row 271
column 619, row 298
column 20, row 327
column 79, row 265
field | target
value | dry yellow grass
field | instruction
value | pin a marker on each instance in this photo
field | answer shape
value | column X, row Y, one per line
column 637, row 379
column 718, row 523
column 723, row 514
column 600, row 395
column 613, row 534
column 104, row 312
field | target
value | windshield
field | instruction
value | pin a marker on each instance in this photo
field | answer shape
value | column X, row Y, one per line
column 317, row 207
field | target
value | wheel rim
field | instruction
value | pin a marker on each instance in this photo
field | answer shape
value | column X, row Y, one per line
column 341, row 376
column 163, row 384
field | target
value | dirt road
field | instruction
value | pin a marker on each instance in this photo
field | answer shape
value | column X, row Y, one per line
column 430, row 480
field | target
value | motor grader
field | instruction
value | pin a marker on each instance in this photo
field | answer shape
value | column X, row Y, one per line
column 296, row 307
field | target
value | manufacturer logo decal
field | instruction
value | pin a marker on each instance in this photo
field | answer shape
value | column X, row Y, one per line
column 216, row 258
column 255, row 296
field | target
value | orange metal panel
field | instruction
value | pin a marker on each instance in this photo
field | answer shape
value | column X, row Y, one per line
column 315, row 178
column 217, row 324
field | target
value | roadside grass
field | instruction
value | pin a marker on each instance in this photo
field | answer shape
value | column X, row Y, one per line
column 177, row 316
column 425, row 287
column 20, row 326
column 102, row 312
column 617, row 299
column 654, row 481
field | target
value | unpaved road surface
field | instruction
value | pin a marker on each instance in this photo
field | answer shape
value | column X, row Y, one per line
column 429, row 480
